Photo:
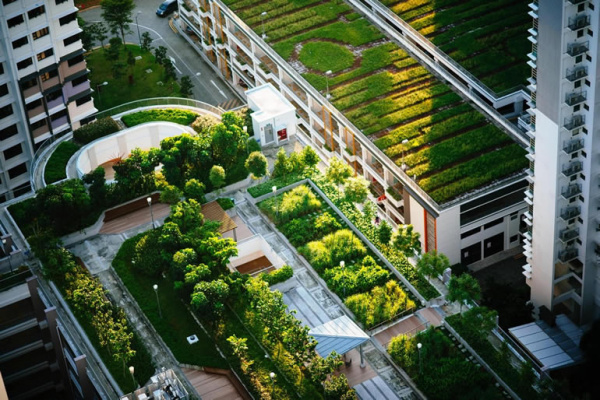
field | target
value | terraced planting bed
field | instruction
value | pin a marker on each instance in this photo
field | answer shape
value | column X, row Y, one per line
column 488, row 38
column 451, row 148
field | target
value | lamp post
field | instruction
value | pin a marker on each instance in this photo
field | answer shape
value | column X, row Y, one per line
column 343, row 265
column 138, row 27
column 149, row 200
column 262, row 22
column 98, row 90
column 403, row 149
column 327, row 73
column 157, row 301
column 245, row 129
column 419, row 345
column 272, row 376
column 131, row 370
column 274, row 188
column 7, row 252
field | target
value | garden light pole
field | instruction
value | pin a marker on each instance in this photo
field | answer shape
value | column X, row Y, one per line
column 149, row 200
column 245, row 129
column 131, row 371
column 138, row 27
column 8, row 254
column 262, row 19
column 403, row 149
column 343, row 266
column 327, row 73
column 274, row 188
column 157, row 301
column 98, row 90
column 272, row 376
column 419, row 345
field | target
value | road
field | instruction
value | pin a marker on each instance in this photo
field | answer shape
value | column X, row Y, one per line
column 208, row 86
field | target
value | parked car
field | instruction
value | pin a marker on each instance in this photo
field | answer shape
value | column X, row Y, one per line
column 166, row 8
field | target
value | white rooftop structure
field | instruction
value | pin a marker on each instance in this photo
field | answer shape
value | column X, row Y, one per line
column 541, row 346
column 340, row 335
column 272, row 113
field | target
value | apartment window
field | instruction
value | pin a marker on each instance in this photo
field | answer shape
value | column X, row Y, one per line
column 587, row 83
column 49, row 75
column 69, row 18
column 36, row 12
column 33, row 105
column 576, row 108
column 493, row 223
column 20, row 42
column 13, row 152
column 470, row 233
column 591, row 6
column 41, row 33
column 29, row 84
column 514, row 238
column 38, row 124
column 586, row 107
column 58, row 115
column 25, row 63
column 582, row 176
column 18, row 170
column 71, row 40
column 79, row 81
column 1, row 68
column 83, row 100
column 6, row 111
column 577, row 84
column 53, row 96
column 583, row 154
column 60, row 1
column 580, row 33
column 14, row 21
column 581, row 8
column 3, row 90
column 75, row 60
column 589, row 58
column 578, row 59
column 9, row 132
column 590, row 32
column 45, row 54
column 7, row 2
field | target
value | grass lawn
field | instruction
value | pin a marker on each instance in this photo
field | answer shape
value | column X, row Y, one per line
column 119, row 91
column 176, row 323
column 56, row 167
column 325, row 56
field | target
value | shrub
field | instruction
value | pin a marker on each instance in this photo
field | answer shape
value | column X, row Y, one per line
column 325, row 224
column 279, row 275
column 333, row 248
column 299, row 231
column 225, row 202
column 57, row 164
column 280, row 182
column 297, row 202
column 355, row 278
column 203, row 123
column 183, row 117
column 95, row 130
column 147, row 257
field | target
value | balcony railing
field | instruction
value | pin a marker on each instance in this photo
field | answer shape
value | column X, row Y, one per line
column 571, row 191
column 568, row 254
column 575, row 49
column 574, row 122
column 572, row 168
column 579, row 22
column 568, row 234
column 576, row 73
column 573, row 146
column 575, row 98
column 570, row 213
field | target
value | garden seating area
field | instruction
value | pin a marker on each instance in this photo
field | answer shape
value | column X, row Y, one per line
column 447, row 146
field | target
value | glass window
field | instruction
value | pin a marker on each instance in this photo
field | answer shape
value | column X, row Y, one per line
column 14, row 21
column 9, row 132
column 68, row 18
column 13, row 152
column 36, row 12
column 41, row 33
column 6, row 111
column 25, row 63
column 45, row 54
column 16, row 171
column 20, row 42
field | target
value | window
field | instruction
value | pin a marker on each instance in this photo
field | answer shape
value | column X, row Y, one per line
column 53, row 96
column 590, row 32
column 6, row 111
column 71, row 40
column 493, row 223
column 9, row 132
column 60, row 1
column 580, row 33
column 69, row 18
column 25, row 63
column 33, row 105
column 29, row 84
column 7, row 2
column 18, row 170
column 470, row 233
column 83, row 100
column 79, row 81
column 58, row 115
column 49, row 75
column 591, row 6
column 14, row 21
column 576, row 108
column 45, row 54
column 20, row 42
column 514, row 238
column 585, row 106
column 41, row 33
column 36, row 12
column 578, row 59
column 577, row 84
column 3, row 90
column 75, row 60
column 583, row 154
column 1, row 68
column 13, row 152
column 38, row 124
column 588, row 57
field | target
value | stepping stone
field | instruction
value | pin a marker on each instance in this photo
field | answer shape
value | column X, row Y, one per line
column 137, row 58
column 149, row 71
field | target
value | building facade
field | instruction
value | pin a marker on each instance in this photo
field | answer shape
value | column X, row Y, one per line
column 467, row 230
column 562, row 241
column 44, row 88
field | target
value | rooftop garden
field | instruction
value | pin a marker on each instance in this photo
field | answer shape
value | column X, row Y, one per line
column 489, row 39
column 451, row 149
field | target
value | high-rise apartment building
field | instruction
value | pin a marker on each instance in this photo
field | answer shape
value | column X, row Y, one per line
column 562, row 243
column 44, row 88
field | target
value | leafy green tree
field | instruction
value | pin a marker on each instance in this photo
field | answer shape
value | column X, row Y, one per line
column 228, row 141
column 117, row 14
column 432, row 263
column 194, row 189
column 356, row 189
column 463, row 288
column 99, row 32
column 407, row 241
column 170, row 72
column 282, row 165
column 97, row 189
column 337, row 172
column 209, row 296
column 384, row 232
column 118, row 69
column 64, row 205
column 310, row 159
column 184, row 157
column 171, row 195
column 160, row 54
column 217, row 176
column 239, row 347
column 87, row 33
column 320, row 368
column 187, row 215
column 146, row 45
column 136, row 172
column 257, row 165
column 337, row 388
column 186, row 86
column 130, row 62
column 114, row 51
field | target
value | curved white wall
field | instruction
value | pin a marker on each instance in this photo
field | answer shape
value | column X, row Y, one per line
column 144, row 136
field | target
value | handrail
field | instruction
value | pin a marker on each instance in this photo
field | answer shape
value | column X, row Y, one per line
column 158, row 101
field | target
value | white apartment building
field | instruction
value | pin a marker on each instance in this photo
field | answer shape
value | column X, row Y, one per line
column 563, row 241
column 468, row 229
column 44, row 89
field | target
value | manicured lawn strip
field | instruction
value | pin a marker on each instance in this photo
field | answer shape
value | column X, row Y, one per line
column 267, row 187
column 183, row 117
column 56, row 168
column 177, row 323
column 274, row 9
column 324, row 56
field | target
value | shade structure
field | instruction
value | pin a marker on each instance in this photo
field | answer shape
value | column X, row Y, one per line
column 541, row 346
column 340, row 335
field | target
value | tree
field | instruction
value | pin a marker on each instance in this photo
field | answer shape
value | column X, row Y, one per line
column 257, row 164
column 463, row 288
column 131, row 63
column 407, row 241
column 282, row 165
column 160, row 54
column 217, row 176
column 170, row 72
column 384, row 232
column 186, row 86
column 194, row 189
column 87, row 33
column 337, row 172
column 208, row 297
column 99, row 32
column 310, row 159
column 117, row 14
column 114, row 50
column 97, row 189
column 356, row 189
column 146, row 45
column 432, row 263
column 171, row 195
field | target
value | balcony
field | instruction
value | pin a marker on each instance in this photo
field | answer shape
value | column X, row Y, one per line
column 567, row 235
column 576, row 73
column 37, row 110
column 243, row 38
column 569, row 213
column 39, row 131
column 574, row 122
column 579, row 22
column 571, row 191
column 575, row 49
column 58, row 123
column 572, row 168
column 575, row 98
column 31, row 91
column 568, row 254
column 524, row 122
column 47, row 84
column 573, row 146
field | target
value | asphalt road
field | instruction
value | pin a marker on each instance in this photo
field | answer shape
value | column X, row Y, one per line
column 208, row 86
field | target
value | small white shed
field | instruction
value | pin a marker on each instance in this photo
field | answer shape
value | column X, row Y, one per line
column 274, row 117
